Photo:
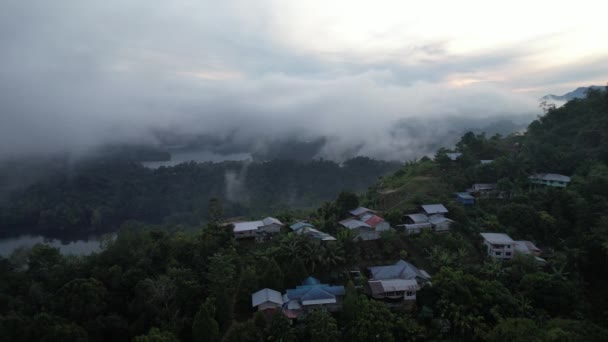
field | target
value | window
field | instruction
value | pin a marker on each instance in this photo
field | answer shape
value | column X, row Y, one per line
column 409, row 293
column 508, row 254
column 498, row 253
column 508, row 246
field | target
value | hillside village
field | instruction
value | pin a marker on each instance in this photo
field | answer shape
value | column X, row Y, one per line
column 396, row 284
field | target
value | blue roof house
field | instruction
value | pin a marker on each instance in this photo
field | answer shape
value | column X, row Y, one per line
column 465, row 198
column 312, row 294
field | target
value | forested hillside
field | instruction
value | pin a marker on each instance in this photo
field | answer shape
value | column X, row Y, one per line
column 99, row 194
column 155, row 284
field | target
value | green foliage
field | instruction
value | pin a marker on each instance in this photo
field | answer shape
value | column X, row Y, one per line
column 156, row 335
column 204, row 327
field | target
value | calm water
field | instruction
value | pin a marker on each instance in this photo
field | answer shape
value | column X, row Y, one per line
column 84, row 246
column 178, row 157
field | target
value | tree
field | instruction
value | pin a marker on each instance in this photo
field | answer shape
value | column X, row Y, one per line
column 515, row 329
column 273, row 276
column 346, row 201
column 373, row 322
column 81, row 299
column 204, row 327
column 157, row 335
column 279, row 328
column 320, row 327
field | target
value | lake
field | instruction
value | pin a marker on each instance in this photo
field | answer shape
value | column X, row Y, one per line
column 178, row 157
column 83, row 246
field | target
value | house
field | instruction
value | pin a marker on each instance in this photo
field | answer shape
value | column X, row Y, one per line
column 550, row 179
column 527, row 248
column 260, row 230
column 267, row 299
column 315, row 234
column 398, row 281
column 453, row 156
column 299, row 225
column 431, row 209
column 482, row 188
column 311, row 295
column 465, row 198
column 415, row 223
column 486, row 161
column 367, row 225
column 440, row 223
column 498, row 245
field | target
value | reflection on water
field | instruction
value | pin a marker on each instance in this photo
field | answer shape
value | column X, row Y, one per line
column 179, row 157
column 85, row 246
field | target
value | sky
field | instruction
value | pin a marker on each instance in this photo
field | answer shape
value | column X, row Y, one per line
column 75, row 74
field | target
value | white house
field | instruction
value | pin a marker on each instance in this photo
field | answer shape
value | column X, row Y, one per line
column 453, row 156
column 267, row 299
column 550, row 179
column 260, row 230
column 498, row 245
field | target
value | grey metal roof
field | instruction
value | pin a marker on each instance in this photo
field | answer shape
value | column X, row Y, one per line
column 418, row 218
column 271, row 220
column 437, row 219
column 360, row 211
column 486, row 161
column 482, row 186
column 266, row 295
column 434, row 209
column 400, row 270
column 352, row 223
column 316, row 234
column 551, row 177
column 497, row 238
column 393, row 285
column 247, row 226
column 299, row 225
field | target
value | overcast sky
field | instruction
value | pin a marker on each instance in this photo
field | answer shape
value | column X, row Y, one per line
column 76, row 73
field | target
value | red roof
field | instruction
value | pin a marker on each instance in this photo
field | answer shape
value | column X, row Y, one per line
column 374, row 220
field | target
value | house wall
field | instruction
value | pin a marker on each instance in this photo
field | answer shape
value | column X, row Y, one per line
column 268, row 306
column 382, row 226
column 272, row 229
column 443, row 226
column 245, row 234
column 501, row 252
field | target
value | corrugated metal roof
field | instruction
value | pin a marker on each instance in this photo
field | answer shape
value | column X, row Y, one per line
column 464, row 195
column 497, row 238
column 316, row 234
column 400, row 270
column 551, row 177
column 437, row 219
column 417, row 226
column 271, row 220
column 372, row 220
column 434, row 209
column 266, row 295
column 247, row 226
column 360, row 211
column 299, row 225
column 352, row 223
column 418, row 218
column 486, row 161
column 396, row 285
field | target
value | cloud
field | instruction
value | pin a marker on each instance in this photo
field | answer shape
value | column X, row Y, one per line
column 74, row 75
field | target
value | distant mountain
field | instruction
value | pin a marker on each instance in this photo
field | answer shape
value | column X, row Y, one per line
column 578, row 93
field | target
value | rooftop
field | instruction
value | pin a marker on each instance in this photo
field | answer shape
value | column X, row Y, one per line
column 464, row 195
column 353, row 223
column 497, row 238
column 247, row 226
column 266, row 295
column 400, row 270
column 299, row 225
column 271, row 220
column 434, row 209
column 418, row 218
column 551, row 177
column 360, row 211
